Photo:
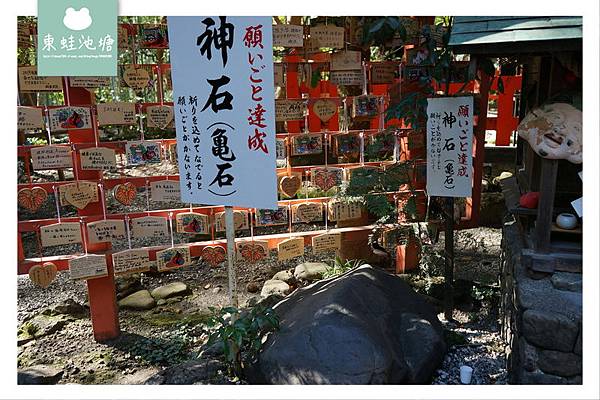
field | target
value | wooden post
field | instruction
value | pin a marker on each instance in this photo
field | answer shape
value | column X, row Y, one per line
column 101, row 291
column 543, row 222
column 449, row 260
column 232, row 276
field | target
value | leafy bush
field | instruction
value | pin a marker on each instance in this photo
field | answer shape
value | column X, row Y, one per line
column 340, row 267
column 240, row 333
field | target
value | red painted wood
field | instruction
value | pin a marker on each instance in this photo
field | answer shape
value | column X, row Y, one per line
column 101, row 292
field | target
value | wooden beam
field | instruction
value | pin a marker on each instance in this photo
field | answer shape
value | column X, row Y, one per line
column 543, row 223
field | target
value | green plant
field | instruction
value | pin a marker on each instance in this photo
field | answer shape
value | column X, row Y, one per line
column 371, row 186
column 340, row 267
column 30, row 329
column 240, row 333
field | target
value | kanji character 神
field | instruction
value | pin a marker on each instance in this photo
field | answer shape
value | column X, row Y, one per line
column 221, row 38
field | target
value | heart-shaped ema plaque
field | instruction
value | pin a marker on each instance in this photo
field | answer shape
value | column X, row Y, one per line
column 125, row 193
column 32, row 199
column 80, row 194
column 43, row 275
column 324, row 109
column 326, row 178
column 252, row 251
column 213, row 255
column 136, row 78
column 289, row 185
column 159, row 116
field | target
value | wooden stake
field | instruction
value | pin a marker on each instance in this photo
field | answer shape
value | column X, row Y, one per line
column 230, row 233
column 449, row 260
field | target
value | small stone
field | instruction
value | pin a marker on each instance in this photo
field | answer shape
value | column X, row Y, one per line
column 161, row 302
column 275, row 287
column 286, row 276
column 207, row 286
column 252, row 287
column 140, row 300
column 170, row 290
column 310, row 271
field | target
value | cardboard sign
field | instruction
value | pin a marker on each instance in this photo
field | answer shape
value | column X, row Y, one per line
column 328, row 36
column 450, row 146
column 326, row 242
column 63, row 118
column 59, row 234
column 346, row 78
column 43, row 275
column 252, row 251
column 307, row 212
column 80, row 193
column 32, row 198
column 98, row 158
column 240, row 220
column 105, row 230
column 131, row 261
column 339, row 211
column 29, row 81
column 88, row 266
column 307, row 144
column 225, row 116
column 29, row 118
column 116, row 114
column 165, row 191
column 142, row 152
column 51, row 157
column 159, row 116
column 290, row 110
column 137, row 78
column 346, row 60
column 326, row 177
column 288, row 35
column 272, row 217
column 153, row 227
column 89, row 81
column 278, row 75
column 324, row 109
column 383, row 72
column 192, row 223
column 290, row 248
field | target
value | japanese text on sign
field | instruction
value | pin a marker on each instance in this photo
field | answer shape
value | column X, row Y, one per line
column 449, row 146
column 224, row 115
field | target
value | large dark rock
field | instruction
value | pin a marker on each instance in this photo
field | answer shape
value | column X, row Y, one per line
column 39, row 375
column 363, row 327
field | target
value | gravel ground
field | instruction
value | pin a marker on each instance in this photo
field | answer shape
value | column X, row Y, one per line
column 84, row 361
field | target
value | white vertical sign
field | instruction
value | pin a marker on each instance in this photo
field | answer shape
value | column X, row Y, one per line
column 450, row 146
column 224, row 110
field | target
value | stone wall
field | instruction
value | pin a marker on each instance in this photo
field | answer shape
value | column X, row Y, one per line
column 541, row 319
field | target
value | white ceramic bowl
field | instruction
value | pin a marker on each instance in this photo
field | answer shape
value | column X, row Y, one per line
column 566, row 221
